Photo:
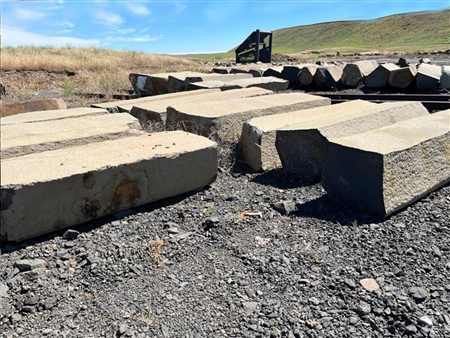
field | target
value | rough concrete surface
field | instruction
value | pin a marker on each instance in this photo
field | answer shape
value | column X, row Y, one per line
column 354, row 72
column 267, row 82
column 124, row 106
column 428, row 76
column 43, row 192
column 227, row 119
column 259, row 134
column 27, row 138
column 155, row 111
column 302, row 147
column 386, row 169
column 49, row 115
column 380, row 76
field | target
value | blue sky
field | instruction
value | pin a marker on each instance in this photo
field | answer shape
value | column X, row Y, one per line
column 176, row 27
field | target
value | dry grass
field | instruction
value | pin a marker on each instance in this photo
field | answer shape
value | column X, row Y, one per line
column 25, row 70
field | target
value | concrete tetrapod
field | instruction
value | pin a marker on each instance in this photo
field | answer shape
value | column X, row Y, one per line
column 387, row 169
column 44, row 192
column 302, row 147
column 26, row 138
column 225, row 120
column 258, row 134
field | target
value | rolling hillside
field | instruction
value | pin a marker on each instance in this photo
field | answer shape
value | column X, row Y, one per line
column 406, row 32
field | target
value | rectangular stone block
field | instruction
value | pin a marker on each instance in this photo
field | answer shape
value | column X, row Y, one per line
column 384, row 170
column 155, row 111
column 267, row 82
column 25, row 138
column 48, row 115
column 226, row 120
column 44, row 192
column 124, row 106
column 216, row 77
column 156, row 84
column 221, row 85
column 259, row 134
column 380, row 76
column 302, row 147
column 428, row 76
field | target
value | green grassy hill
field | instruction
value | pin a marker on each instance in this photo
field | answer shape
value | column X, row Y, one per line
column 404, row 32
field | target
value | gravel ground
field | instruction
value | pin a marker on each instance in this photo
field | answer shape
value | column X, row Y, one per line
column 254, row 255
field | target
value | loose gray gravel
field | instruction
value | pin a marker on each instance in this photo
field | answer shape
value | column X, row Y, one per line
column 254, row 255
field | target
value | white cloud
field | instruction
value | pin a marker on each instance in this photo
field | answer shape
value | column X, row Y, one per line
column 143, row 38
column 179, row 7
column 125, row 31
column 14, row 37
column 26, row 15
column 65, row 24
column 137, row 8
column 108, row 18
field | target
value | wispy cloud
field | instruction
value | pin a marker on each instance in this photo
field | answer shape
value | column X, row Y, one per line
column 179, row 7
column 65, row 24
column 125, row 31
column 14, row 37
column 137, row 8
column 27, row 15
column 108, row 19
column 143, row 38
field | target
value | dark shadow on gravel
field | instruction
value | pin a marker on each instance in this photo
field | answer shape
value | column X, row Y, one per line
column 323, row 208
column 277, row 179
column 94, row 224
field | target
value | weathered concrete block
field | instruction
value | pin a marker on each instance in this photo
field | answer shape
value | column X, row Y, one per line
column 156, row 84
column 259, row 134
column 307, row 73
column 254, row 69
column 274, row 71
column 302, row 148
column 31, row 105
column 124, row 106
column 176, row 82
column 44, row 192
column 328, row 76
column 216, row 77
column 380, row 76
column 292, row 73
column 48, row 115
column 387, row 169
column 226, row 120
column 267, row 82
column 354, row 72
column 221, row 70
column 428, row 76
column 26, row 138
column 214, row 84
column 155, row 111
column 403, row 77
column 445, row 77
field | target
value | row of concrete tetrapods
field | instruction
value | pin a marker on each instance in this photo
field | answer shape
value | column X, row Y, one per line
column 64, row 167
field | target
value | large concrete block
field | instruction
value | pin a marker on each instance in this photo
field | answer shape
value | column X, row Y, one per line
column 156, row 84
column 216, row 77
column 302, row 148
column 155, row 111
column 259, row 134
column 226, row 119
column 428, row 76
column 214, row 84
column 26, row 138
column 354, row 72
column 176, row 82
column 49, row 115
column 380, row 76
column 328, row 76
column 402, row 77
column 445, row 77
column 307, row 73
column 31, row 105
column 44, row 192
column 124, row 106
column 267, row 82
column 274, row 71
column 387, row 169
